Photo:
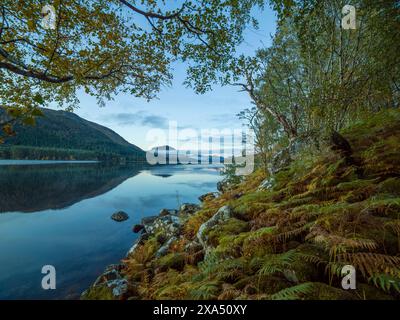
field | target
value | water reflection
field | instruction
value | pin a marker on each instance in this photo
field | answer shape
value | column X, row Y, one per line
column 35, row 188
column 71, row 228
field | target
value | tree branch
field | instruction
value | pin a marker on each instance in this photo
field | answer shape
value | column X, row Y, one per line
column 152, row 14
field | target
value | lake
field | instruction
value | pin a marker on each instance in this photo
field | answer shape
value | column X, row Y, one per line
column 59, row 214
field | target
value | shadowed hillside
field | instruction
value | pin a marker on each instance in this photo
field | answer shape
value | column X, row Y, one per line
column 63, row 135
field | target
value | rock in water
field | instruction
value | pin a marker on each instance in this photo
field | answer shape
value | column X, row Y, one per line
column 120, row 216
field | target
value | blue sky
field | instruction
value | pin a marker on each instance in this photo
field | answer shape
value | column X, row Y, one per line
column 132, row 118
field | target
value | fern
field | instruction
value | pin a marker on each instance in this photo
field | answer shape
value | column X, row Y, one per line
column 229, row 292
column 289, row 234
column 386, row 282
column 370, row 264
column 274, row 263
column 206, row 291
column 293, row 293
column 312, row 258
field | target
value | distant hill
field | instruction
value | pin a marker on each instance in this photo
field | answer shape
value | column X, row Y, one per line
column 165, row 153
column 61, row 135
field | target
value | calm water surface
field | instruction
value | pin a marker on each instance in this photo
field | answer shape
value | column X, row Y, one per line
column 59, row 214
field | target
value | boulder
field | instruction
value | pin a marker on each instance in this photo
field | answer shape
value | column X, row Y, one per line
column 283, row 158
column 166, row 212
column 267, row 183
column 290, row 276
column 132, row 249
column 111, row 279
column 208, row 196
column 280, row 161
column 189, row 208
column 222, row 215
column 148, row 220
column 120, row 216
column 165, row 248
column 168, row 225
column 137, row 228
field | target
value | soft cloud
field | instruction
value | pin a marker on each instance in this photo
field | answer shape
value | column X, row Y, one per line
column 140, row 118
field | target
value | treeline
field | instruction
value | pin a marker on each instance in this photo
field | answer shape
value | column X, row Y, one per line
column 39, row 153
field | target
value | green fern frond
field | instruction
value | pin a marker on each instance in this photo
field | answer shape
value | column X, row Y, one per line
column 206, row 291
column 293, row 293
column 386, row 282
column 274, row 263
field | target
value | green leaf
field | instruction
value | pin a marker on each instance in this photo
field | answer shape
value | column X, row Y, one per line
column 38, row 99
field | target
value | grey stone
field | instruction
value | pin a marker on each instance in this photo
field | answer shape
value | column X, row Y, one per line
column 189, row 208
column 210, row 196
column 112, row 279
column 120, row 216
column 148, row 220
column 222, row 214
column 291, row 276
column 266, row 184
column 164, row 249
column 166, row 212
column 283, row 158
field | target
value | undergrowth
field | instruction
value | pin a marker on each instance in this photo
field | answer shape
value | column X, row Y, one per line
column 292, row 240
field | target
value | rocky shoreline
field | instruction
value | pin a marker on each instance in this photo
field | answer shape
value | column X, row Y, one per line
column 274, row 237
column 167, row 228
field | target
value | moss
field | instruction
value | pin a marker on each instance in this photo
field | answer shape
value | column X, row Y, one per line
column 251, row 203
column 271, row 284
column 256, row 244
column 354, row 184
column 368, row 292
column 322, row 291
column 390, row 186
column 294, row 202
column 231, row 246
column 98, row 293
column 172, row 261
column 318, row 209
column 232, row 226
column 171, row 292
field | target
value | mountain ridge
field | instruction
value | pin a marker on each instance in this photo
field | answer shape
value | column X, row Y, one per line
column 62, row 135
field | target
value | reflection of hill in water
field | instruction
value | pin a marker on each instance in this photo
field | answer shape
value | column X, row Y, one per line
column 162, row 175
column 37, row 188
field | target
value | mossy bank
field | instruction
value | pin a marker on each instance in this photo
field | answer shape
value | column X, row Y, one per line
column 289, row 240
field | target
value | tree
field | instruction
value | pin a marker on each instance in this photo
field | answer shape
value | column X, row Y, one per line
column 318, row 77
column 107, row 47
